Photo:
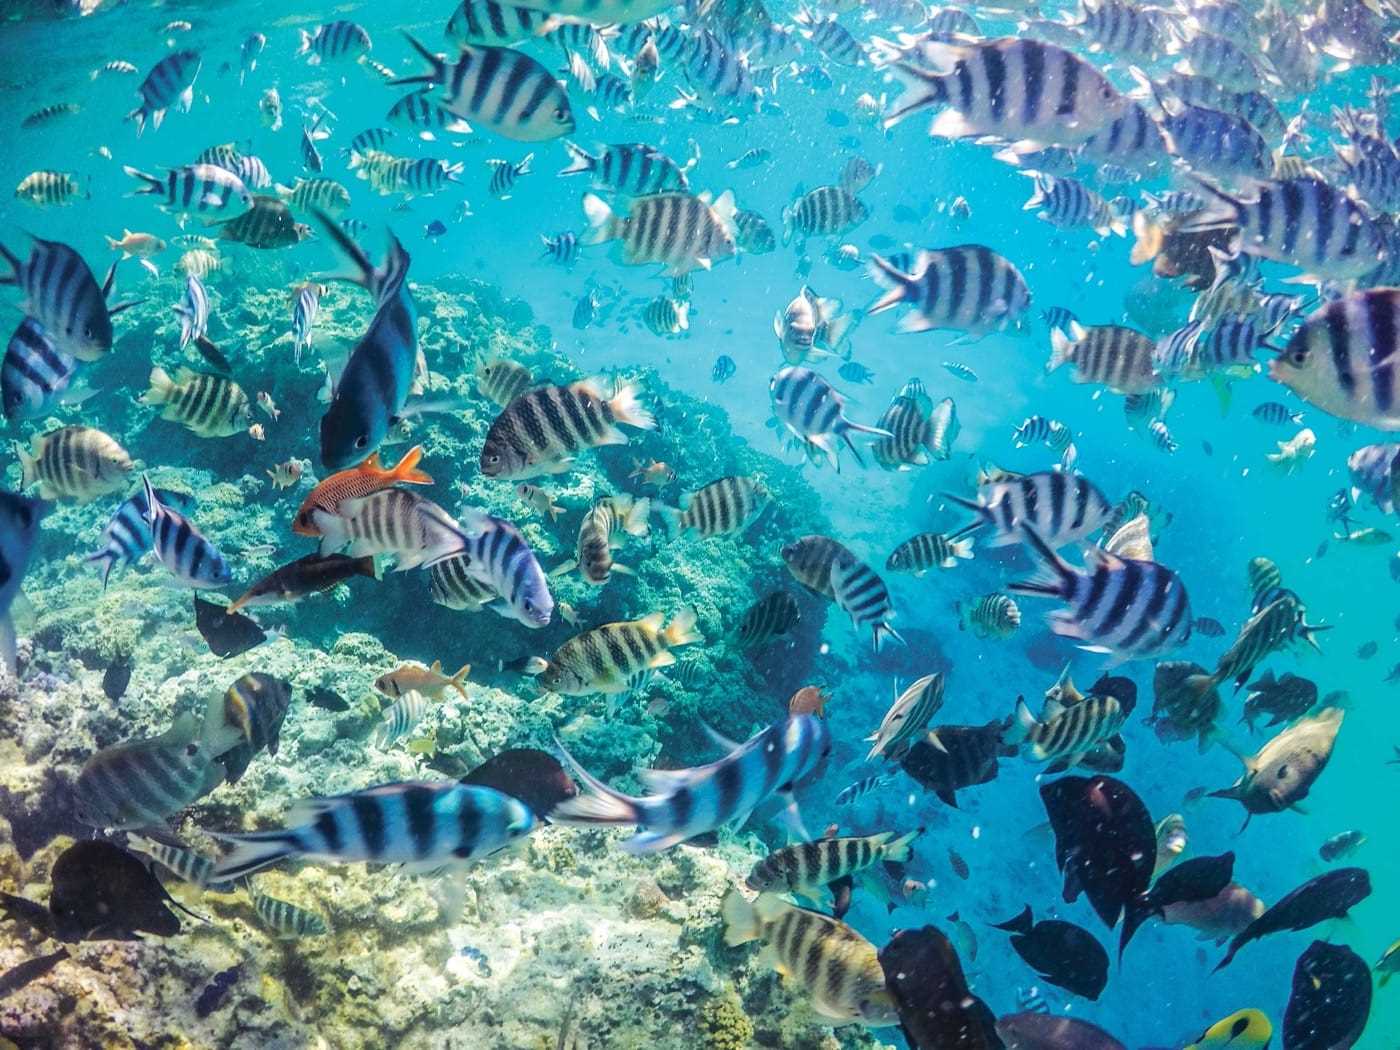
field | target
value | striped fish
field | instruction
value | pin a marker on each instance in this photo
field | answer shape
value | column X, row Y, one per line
column 399, row 719
column 182, row 548
column 602, row 12
column 333, row 40
column 74, row 463
column 865, row 786
column 1215, row 143
column 603, row 659
column 415, row 530
column 824, row 211
column 504, row 174
column 1223, row 61
column 990, row 616
column 422, row 114
column 719, row 73
column 752, row 233
column 562, row 248
column 504, row 90
column 865, row 598
column 50, row 187
column 539, row 430
column 193, row 311
column 812, row 561
column 600, row 532
column 190, row 866
column 1304, row 222
column 1122, row 359
column 378, row 375
column 721, row 508
column 1124, row 30
column 1272, row 627
column 1041, row 429
column 141, row 782
column 269, row 223
column 451, row 584
column 907, row 719
column 967, row 288
column 838, row 970
column 116, row 65
column 1015, row 89
column 1063, row 508
column 424, row 826
column 500, row 558
column 831, row 38
column 286, row 919
column 1133, row 139
column 61, row 294
column 810, row 326
column 1067, row 731
column 1342, row 358
column 312, row 195
column 426, row 176
column 1372, row 469
column 1131, row 609
column 691, row 802
column 194, row 188
column 813, row 413
column 806, row 867
column 206, row 404
column 306, row 307
column 35, row 374
column 1068, row 203
column 488, row 22
column 681, row 231
column 253, row 172
column 170, row 81
column 667, row 317
column 927, row 550
column 631, row 168
column 772, row 616
column 1161, row 437
column 502, row 380
column 127, row 534
column 254, row 706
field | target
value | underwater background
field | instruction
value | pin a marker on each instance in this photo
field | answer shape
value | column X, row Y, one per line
column 576, row 943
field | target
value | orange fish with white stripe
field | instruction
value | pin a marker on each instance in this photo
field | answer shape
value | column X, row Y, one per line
column 356, row 483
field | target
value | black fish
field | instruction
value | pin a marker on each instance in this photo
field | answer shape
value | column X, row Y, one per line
column 217, row 991
column 31, row 913
column 1037, row 1031
column 1197, row 879
column 326, row 699
column 117, row 676
column 1329, row 896
column 1368, row 650
column 1105, row 842
column 1331, row 999
column 936, row 1009
column 213, row 355
column 969, row 757
column 1060, row 952
column 533, row 776
column 17, row 977
column 228, row 634
column 103, row 893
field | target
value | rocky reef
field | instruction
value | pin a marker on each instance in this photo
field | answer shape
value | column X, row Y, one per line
column 565, row 943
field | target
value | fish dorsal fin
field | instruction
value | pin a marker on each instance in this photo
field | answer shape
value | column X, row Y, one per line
column 719, row 739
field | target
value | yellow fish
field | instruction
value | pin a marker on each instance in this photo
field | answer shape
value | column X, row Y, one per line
column 1242, row 1030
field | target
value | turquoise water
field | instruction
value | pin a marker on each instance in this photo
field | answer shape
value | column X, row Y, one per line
column 1227, row 504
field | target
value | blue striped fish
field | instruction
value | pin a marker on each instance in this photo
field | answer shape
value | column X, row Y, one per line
column 190, row 866
column 61, row 294
column 691, row 802
column 181, row 547
column 35, row 373
column 865, row 598
column 422, row 825
column 127, row 535
column 500, row 558
column 194, row 188
column 170, row 80
column 399, row 719
column 1061, row 507
column 193, row 311
column 333, row 40
column 1131, row 609
column 814, row 413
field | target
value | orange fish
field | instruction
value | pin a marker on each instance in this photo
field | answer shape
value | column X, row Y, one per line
column 356, row 483
column 809, row 700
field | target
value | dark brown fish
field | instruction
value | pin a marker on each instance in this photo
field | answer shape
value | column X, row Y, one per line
column 211, row 353
column 1328, row 896
column 534, row 777
column 228, row 634
column 117, row 676
column 1331, row 999
column 968, row 756
column 1191, row 881
column 1060, row 952
column 937, row 1010
column 960, row 867
column 1105, row 842
column 103, row 893
column 1178, row 711
column 29, row 971
column 326, row 699
column 1036, row 1031
column 307, row 575
column 269, row 223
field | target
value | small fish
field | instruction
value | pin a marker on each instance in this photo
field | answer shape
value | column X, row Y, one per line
column 990, row 616
column 504, row 173
column 768, row 618
column 724, row 368
column 928, row 550
column 865, row 786
column 907, row 719
column 756, row 157
column 227, row 634
column 285, row 919
column 400, row 719
column 855, row 372
column 809, row 700
column 1207, row 627
column 50, row 187
column 561, row 249
column 502, row 380
column 960, row 371
column 1368, row 650
column 958, row 865
column 430, row 681
column 539, row 499
column 1341, row 845
column 74, row 463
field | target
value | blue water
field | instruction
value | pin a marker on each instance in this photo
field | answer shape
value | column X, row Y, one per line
column 1227, row 506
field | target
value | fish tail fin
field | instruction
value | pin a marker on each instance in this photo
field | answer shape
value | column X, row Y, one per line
column 899, row 850
column 897, row 284
column 254, row 852
column 438, row 67
column 363, row 272
column 681, row 630
column 634, row 521
column 580, row 160
column 603, row 225
column 28, row 466
column 108, row 559
column 1039, row 193
column 160, row 386
column 1059, row 579
column 922, row 89
column 602, row 805
column 1022, row 923
column 740, row 919
column 670, row 519
column 1223, row 210
column 153, row 183
column 406, row 469
column 627, row 409
column 961, row 548
column 1021, row 725
column 1061, row 346
column 457, row 679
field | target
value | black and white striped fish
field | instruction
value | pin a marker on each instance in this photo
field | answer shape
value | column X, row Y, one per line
column 541, row 429
column 209, row 405
column 681, row 231
column 602, row 529
column 116, row 65
column 920, row 431
column 35, row 374
column 926, row 551
column 990, row 616
column 831, row 38
column 61, row 294
column 501, row 89
column 451, row 585
column 74, row 463
column 1342, row 358
column 285, row 919
column 331, row 41
column 632, row 168
column 1214, row 142
column 718, row 73
column 193, row 311
column 422, row 113
column 752, row 233
column 814, row 414
column 489, row 22
column 720, row 508
column 694, row 801
column 613, row 658
column 806, row 867
column 1122, row 359
column 1035, row 429
column 860, row 592
column 907, row 719
column 50, row 187
column 967, row 288
column 1278, row 621
column 190, row 866
column 191, row 558
column 1062, row 508
column 422, row 825
column 865, row 786
column 1015, row 89
column 504, row 173
column 415, row 530
column 127, row 534
column 306, row 307
column 253, row 172
column 254, row 706
column 562, row 248
column 1068, row 203
column 1124, row 31
column 824, row 211
column 1068, row 732
column 313, row 195
column 1133, row 139
column 772, row 616
column 170, row 81
column 1222, row 60
column 399, row 719
column 1130, row 609
column 812, row 560
column 503, row 560
column 195, row 188
column 1161, row 437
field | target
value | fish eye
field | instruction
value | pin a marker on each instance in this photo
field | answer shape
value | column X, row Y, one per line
column 362, row 441
column 1298, row 358
column 561, row 114
column 528, row 605
column 87, row 331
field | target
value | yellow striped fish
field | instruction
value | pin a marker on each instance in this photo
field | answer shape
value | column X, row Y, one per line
column 605, row 659
column 208, row 405
column 77, row 463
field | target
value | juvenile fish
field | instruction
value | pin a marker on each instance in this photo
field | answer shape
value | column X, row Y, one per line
column 928, row 550
column 990, row 616
column 340, row 39
column 190, row 866
column 399, row 719
column 286, row 919
column 170, row 82
column 919, row 430
column 504, row 173
column 600, row 532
